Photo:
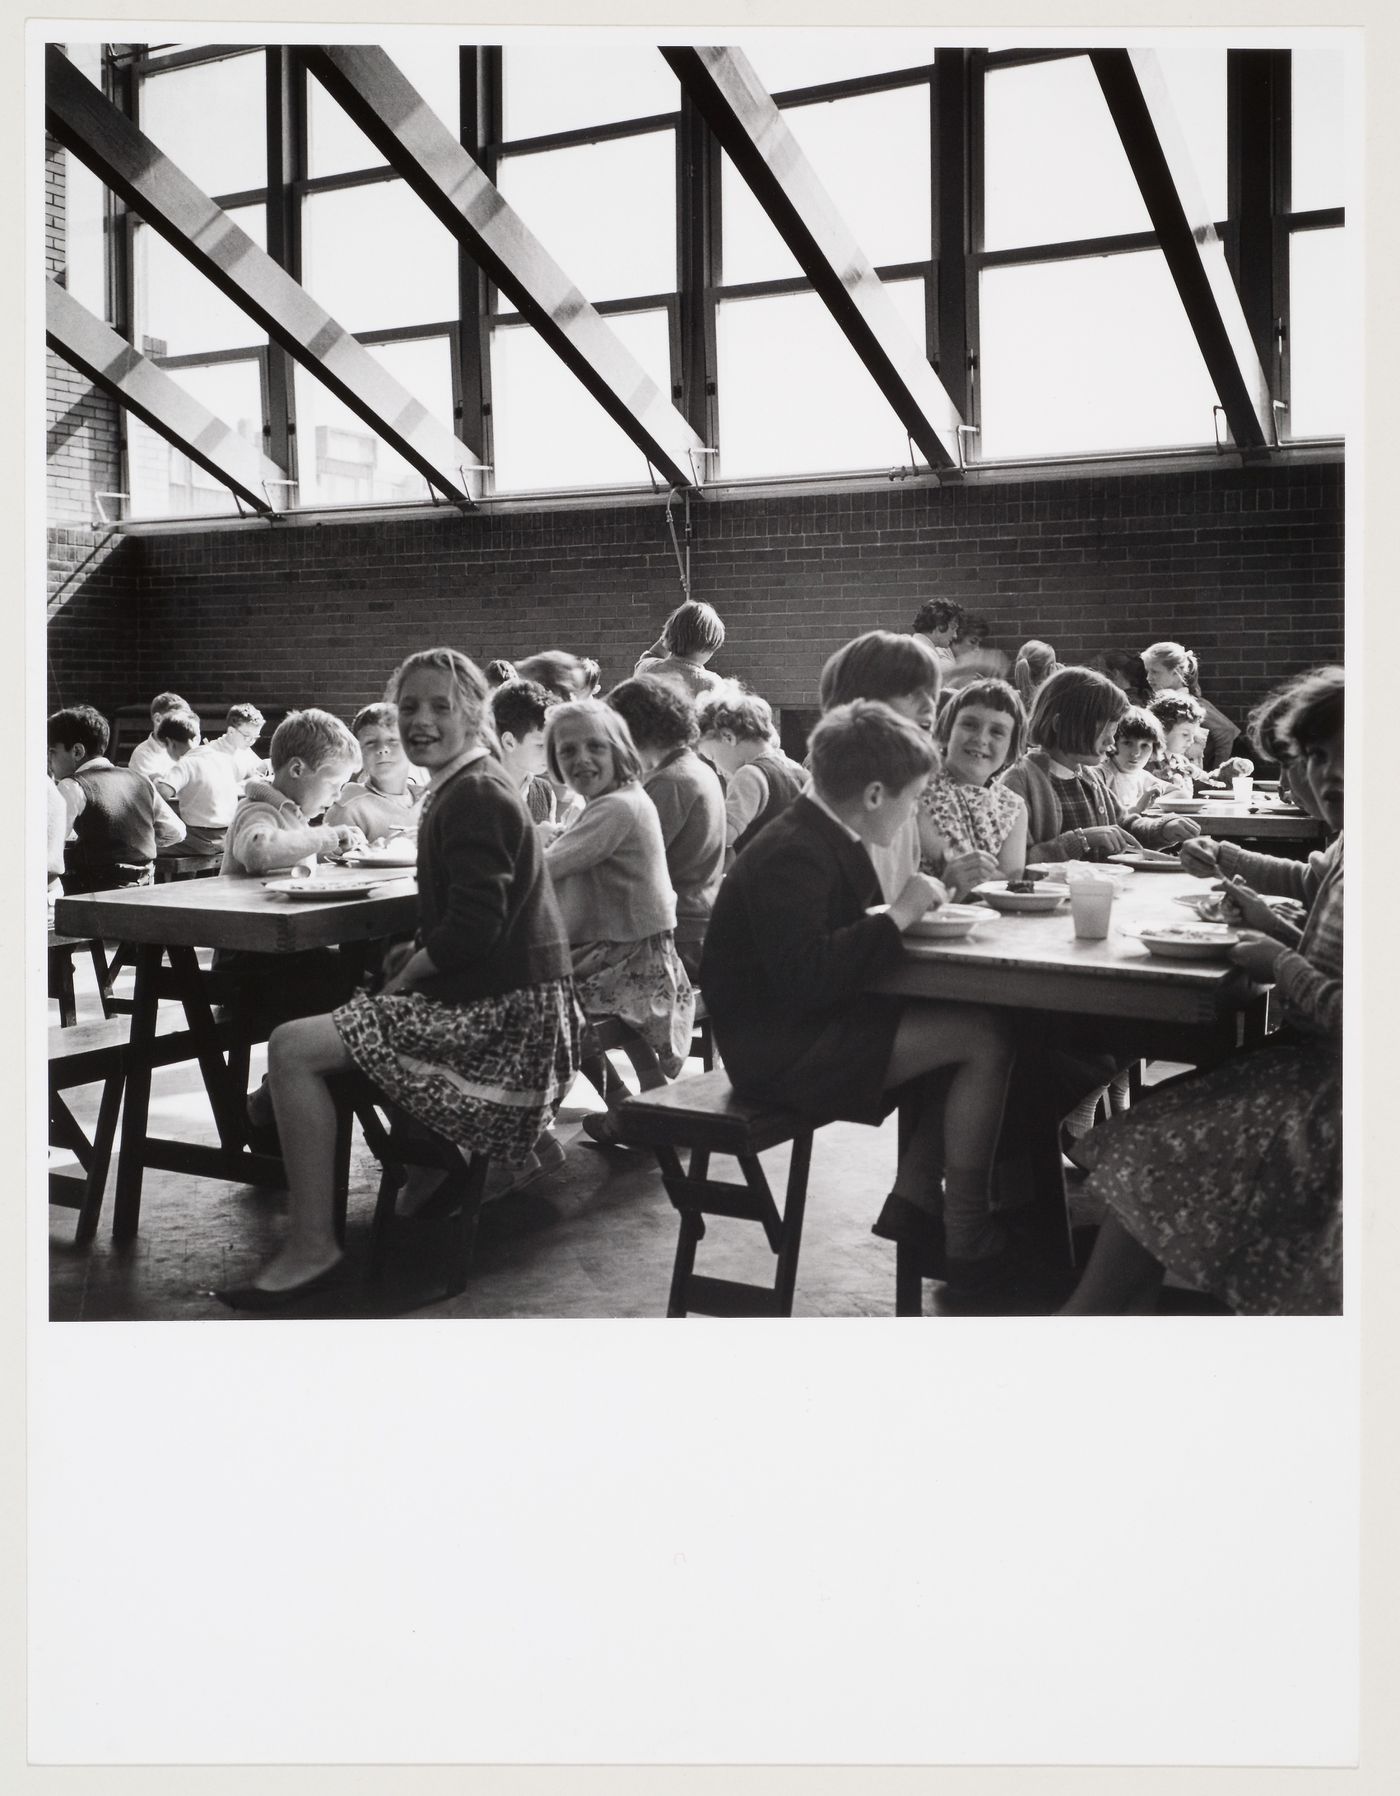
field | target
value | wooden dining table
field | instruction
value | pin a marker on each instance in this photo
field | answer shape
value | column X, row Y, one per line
column 167, row 924
column 1261, row 819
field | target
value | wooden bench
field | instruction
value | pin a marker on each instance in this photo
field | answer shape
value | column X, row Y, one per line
column 62, row 950
column 171, row 867
column 703, row 1114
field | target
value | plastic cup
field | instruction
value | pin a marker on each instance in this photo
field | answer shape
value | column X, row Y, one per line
column 1243, row 788
column 1091, row 906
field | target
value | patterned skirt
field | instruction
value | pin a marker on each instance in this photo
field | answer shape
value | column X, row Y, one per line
column 488, row 1075
column 645, row 985
column 1232, row 1178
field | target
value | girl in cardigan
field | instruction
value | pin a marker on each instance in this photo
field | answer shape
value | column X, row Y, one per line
column 1232, row 1178
column 474, row 1032
column 609, row 874
column 1073, row 814
column 688, row 798
column 980, row 826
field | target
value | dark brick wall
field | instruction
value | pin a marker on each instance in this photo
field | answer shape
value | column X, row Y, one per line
column 82, row 456
column 1243, row 565
column 94, row 617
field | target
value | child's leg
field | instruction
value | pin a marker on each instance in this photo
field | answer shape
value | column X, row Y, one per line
column 301, row 1057
column 1121, row 1277
column 977, row 1045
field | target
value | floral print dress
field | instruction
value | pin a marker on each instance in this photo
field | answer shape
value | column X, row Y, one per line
column 969, row 817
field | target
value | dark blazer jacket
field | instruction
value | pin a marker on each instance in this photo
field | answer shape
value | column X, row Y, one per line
column 790, row 950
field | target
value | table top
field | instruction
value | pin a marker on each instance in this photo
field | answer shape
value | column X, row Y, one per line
column 236, row 912
column 1260, row 820
column 1038, row 963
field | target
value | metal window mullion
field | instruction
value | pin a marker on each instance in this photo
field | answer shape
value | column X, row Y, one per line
column 1282, row 122
column 698, row 187
column 580, row 137
column 947, row 300
column 208, row 358
column 285, row 76
column 487, row 102
column 975, row 151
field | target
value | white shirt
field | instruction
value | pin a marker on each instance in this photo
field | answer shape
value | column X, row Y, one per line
column 151, row 758
column 207, row 786
column 249, row 765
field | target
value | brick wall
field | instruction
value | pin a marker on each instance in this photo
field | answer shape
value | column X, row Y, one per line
column 82, row 456
column 1244, row 565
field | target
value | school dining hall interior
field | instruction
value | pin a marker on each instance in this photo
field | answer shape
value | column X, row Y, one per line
column 695, row 680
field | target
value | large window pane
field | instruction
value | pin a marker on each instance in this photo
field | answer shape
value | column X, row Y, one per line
column 376, row 258
column 162, row 481
column 1086, row 356
column 872, row 156
column 1196, row 86
column 179, row 311
column 334, row 146
column 1319, row 135
column 606, row 212
column 341, row 461
column 795, row 398
column 1056, row 169
column 789, row 59
column 211, row 121
column 1321, row 369
column 548, row 431
column 568, row 86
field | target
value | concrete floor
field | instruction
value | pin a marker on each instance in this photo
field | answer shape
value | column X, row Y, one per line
column 595, row 1239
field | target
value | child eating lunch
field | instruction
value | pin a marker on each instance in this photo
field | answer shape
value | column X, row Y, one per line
column 382, row 801
column 738, row 738
column 475, row 1032
column 792, row 950
column 1139, row 739
column 518, row 710
column 979, row 826
column 1177, row 766
column 1073, row 814
column 609, row 872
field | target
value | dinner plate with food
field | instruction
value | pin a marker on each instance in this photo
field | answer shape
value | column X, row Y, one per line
column 1147, row 860
column 1027, row 897
column 1188, row 941
column 317, row 891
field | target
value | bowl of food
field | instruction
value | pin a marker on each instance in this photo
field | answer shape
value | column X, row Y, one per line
column 949, row 923
column 1023, row 896
column 1189, row 941
column 1179, row 802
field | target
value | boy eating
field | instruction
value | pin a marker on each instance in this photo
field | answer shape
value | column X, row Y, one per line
column 381, row 802
column 117, row 817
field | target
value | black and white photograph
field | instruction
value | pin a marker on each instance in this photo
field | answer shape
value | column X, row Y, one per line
column 704, row 678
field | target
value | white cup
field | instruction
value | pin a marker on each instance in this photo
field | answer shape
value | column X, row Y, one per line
column 1091, row 905
column 1243, row 788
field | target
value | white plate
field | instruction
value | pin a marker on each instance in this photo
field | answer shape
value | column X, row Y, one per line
column 317, row 891
column 394, row 855
column 1047, row 896
column 949, row 923
column 1189, row 941
column 1184, row 805
column 1146, row 862
column 1205, row 904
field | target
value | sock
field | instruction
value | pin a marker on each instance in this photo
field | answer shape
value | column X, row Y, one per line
column 972, row 1234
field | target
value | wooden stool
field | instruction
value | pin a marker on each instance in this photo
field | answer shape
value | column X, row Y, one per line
column 62, row 949
column 703, row 1042
column 704, row 1115
column 406, row 1143
column 185, row 866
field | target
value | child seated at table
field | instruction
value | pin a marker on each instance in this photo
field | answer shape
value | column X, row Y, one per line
column 380, row 801
column 797, row 936
column 116, row 817
column 475, row 1033
column 1231, row 1178
column 689, row 803
column 1072, row 813
column 1139, row 739
column 738, row 737
column 903, row 673
column 979, row 828
column 1178, row 767
column 243, row 724
column 518, row 711
column 693, row 634
column 202, row 782
column 313, row 754
column 152, row 756
column 609, row 873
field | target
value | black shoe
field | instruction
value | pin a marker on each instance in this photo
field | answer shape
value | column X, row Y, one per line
column 257, row 1301
column 904, row 1223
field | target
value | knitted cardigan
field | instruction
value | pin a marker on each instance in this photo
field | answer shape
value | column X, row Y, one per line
column 1047, row 841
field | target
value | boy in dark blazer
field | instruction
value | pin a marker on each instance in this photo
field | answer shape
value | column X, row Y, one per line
column 795, row 941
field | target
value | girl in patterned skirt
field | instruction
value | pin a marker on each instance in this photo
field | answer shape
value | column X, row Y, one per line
column 979, row 828
column 475, row 1032
column 1232, row 1178
column 609, row 873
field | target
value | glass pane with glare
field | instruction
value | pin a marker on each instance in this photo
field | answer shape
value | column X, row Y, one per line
column 180, row 311
column 163, row 481
column 548, row 432
column 211, row 120
column 576, row 82
column 1321, row 337
column 1196, row 86
column 431, row 62
column 1056, row 169
column 871, row 154
column 340, row 460
column 795, row 398
column 1086, row 356
column 606, row 212
column 1319, row 163
column 376, row 258
column 791, row 59
column 85, row 236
